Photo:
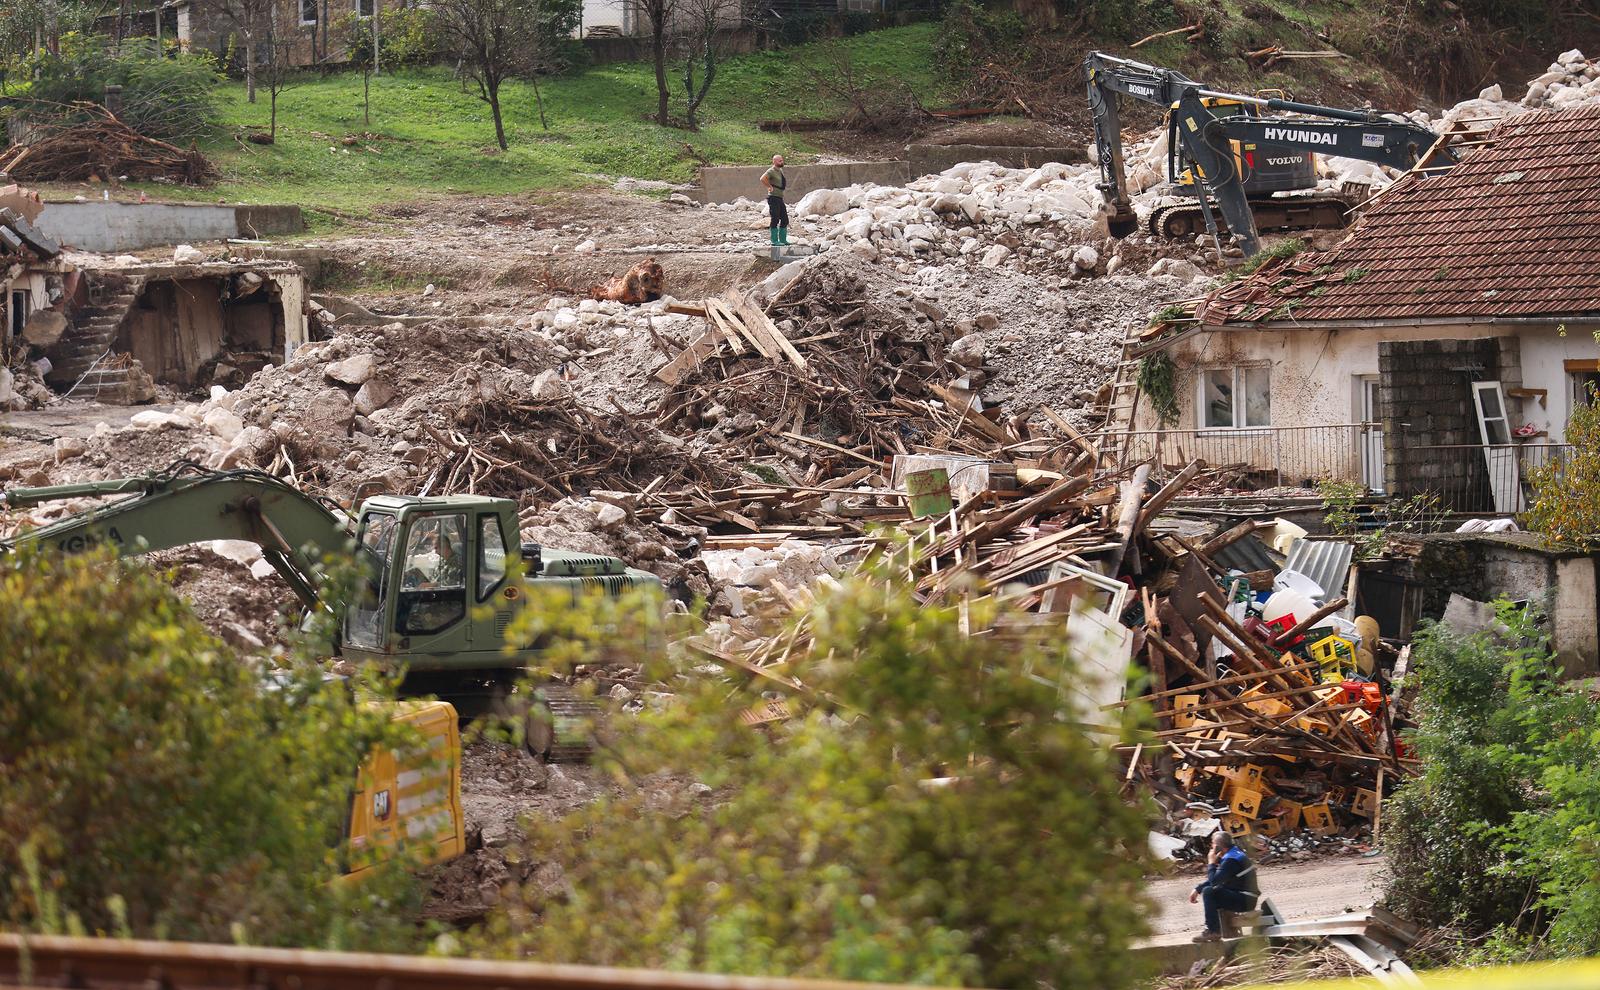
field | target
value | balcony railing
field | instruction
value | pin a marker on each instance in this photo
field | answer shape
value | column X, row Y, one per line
column 1270, row 457
column 1467, row 478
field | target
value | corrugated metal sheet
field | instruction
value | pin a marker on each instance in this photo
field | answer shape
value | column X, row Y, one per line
column 1326, row 562
column 1246, row 554
column 1509, row 232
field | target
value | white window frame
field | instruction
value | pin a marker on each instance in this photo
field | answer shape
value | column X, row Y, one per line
column 300, row 12
column 372, row 6
column 1239, row 371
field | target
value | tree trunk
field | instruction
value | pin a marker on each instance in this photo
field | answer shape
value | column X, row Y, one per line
column 539, row 101
column 366, row 98
column 273, row 128
column 658, row 51
column 494, row 108
column 249, row 68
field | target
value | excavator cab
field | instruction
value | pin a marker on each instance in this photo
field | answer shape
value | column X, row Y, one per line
column 438, row 594
column 430, row 562
column 1263, row 168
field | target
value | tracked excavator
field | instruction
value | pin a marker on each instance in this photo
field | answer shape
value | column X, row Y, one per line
column 1240, row 152
column 439, row 586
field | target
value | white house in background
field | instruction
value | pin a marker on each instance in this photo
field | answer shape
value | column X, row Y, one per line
column 1440, row 347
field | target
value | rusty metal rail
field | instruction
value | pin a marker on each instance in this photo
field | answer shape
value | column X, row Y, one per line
column 119, row 964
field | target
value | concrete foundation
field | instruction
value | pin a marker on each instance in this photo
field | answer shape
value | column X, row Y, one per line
column 110, row 227
column 930, row 159
column 726, row 183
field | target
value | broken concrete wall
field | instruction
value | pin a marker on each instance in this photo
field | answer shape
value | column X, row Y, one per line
column 1483, row 567
column 215, row 328
column 931, row 159
column 727, row 183
column 110, row 227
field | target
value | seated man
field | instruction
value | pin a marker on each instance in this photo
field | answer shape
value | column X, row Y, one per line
column 1230, row 885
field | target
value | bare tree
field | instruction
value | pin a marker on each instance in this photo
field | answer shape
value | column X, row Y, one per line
column 699, row 41
column 489, row 38
column 660, row 15
column 252, row 21
column 277, row 72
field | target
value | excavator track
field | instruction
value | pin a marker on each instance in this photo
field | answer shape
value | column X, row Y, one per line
column 563, row 725
column 1272, row 215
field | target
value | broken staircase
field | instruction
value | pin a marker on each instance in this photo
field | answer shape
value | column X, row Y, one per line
column 83, row 365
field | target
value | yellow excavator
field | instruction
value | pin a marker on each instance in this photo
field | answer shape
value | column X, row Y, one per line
column 409, row 797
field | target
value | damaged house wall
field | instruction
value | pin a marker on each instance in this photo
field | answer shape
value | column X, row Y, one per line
column 215, row 329
column 187, row 326
column 1316, row 375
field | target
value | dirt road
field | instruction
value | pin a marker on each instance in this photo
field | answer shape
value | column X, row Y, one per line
column 1300, row 891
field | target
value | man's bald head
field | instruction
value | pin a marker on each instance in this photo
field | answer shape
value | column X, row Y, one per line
column 777, row 160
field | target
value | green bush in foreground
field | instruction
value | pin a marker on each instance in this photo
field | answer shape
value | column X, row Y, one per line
column 1501, row 834
column 154, row 784
column 827, row 845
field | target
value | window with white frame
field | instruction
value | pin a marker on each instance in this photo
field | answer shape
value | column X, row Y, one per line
column 308, row 11
column 364, row 8
column 1234, row 398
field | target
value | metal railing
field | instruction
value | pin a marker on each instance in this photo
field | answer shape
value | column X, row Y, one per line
column 1466, row 478
column 1477, row 478
column 1269, row 457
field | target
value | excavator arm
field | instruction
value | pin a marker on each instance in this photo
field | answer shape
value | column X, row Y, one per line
column 188, row 504
column 1109, row 78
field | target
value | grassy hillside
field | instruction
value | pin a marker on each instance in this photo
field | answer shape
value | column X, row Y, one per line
column 428, row 135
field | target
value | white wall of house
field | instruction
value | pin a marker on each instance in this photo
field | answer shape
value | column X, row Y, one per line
column 602, row 13
column 1315, row 381
column 37, row 295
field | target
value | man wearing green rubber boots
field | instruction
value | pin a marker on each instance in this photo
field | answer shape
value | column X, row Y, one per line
column 776, row 182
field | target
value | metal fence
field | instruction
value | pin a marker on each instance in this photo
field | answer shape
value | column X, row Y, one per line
column 1270, row 457
column 1467, row 478
column 1478, row 478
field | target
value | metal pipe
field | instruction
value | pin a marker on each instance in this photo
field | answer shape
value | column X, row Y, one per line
column 26, row 497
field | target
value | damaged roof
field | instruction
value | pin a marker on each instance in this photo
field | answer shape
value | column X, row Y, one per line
column 1509, row 232
column 17, row 234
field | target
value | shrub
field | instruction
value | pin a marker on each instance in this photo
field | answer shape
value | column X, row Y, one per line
column 158, row 786
column 165, row 94
column 825, row 845
column 1566, row 492
column 1504, row 816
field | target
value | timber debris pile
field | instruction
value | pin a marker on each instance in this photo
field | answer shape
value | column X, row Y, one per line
column 98, row 146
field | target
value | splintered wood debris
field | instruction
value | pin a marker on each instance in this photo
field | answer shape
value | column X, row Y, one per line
column 1267, row 727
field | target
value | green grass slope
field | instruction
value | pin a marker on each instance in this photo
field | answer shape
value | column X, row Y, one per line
column 429, row 136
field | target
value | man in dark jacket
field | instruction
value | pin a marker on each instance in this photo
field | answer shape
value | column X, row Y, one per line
column 1230, row 885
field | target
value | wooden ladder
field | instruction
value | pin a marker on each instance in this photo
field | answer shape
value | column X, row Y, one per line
column 1120, row 408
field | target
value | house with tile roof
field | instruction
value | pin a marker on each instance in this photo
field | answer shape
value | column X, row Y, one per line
column 1441, row 346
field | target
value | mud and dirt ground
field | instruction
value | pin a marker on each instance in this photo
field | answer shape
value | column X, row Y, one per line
column 1299, row 891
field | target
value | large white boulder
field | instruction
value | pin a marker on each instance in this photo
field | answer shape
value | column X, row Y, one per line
column 995, row 256
column 822, row 203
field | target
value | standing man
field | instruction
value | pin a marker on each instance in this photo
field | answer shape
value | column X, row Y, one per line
column 1230, row 885
column 776, row 182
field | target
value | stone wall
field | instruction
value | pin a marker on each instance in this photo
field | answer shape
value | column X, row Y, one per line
column 724, row 184
column 1483, row 567
column 931, row 159
column 1425, row 398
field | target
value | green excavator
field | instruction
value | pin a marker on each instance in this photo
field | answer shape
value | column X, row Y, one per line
column 442, row 581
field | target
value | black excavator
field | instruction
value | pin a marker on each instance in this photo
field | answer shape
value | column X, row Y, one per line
column 1239, row 152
